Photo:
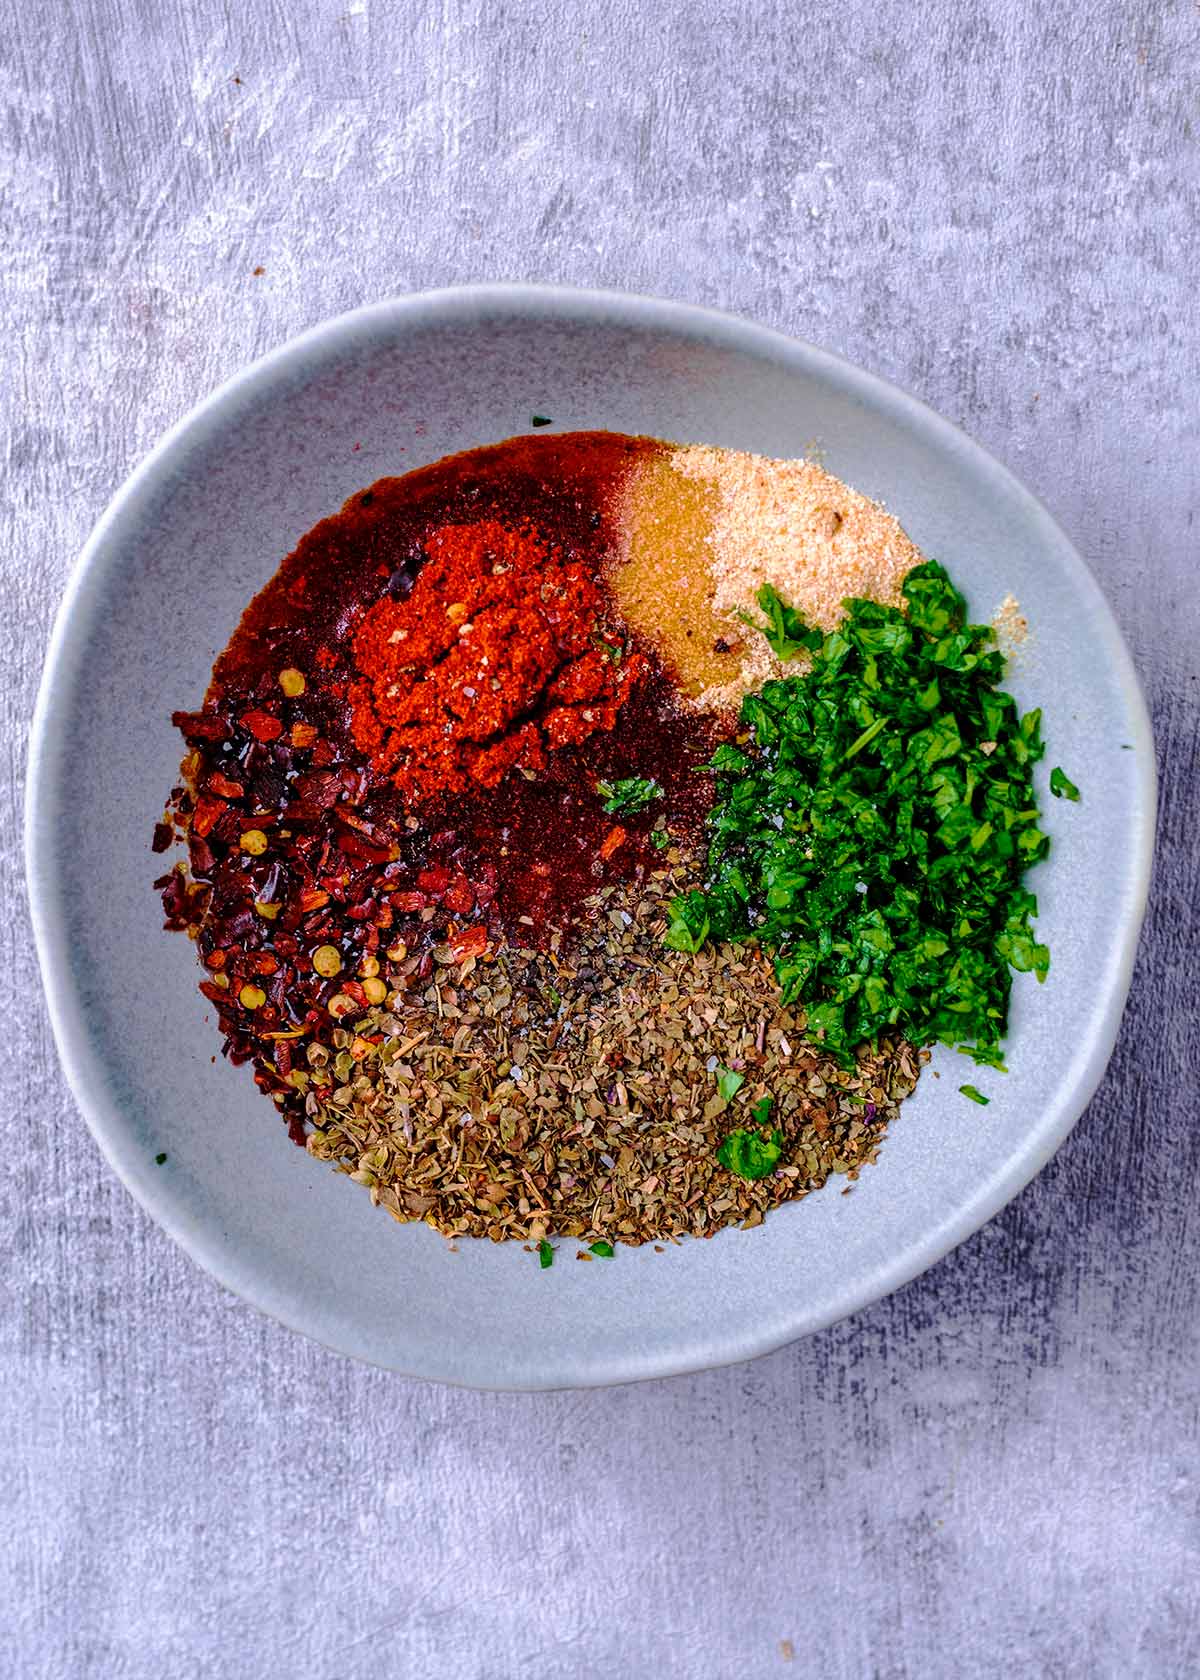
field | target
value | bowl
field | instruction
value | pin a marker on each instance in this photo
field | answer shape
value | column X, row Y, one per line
column 202, row 524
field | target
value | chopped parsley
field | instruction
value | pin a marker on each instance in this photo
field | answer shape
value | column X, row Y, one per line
column 545, row 1254
column 687, row 923
column 660, row 838
column 603, row 1249
column 729, row 1083
column 786, row 632
column 749, row 1154
column 1061, row 785
column 540, row 420
column 975, row 1095
column 160, row 1160
column 630, row 793
column 874, row 829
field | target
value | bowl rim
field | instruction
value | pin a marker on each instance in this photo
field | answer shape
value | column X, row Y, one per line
column 578, row 305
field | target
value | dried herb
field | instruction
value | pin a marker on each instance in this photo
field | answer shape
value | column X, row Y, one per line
column 1061, row 785
column 545, row 1254
column 604, row 1250
column 571, row 1092
column 975, row 1095
column 540, row 420
column 160, row 1159
column 874, row 830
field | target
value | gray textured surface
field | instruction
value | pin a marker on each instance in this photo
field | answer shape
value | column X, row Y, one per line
column 993, row 1472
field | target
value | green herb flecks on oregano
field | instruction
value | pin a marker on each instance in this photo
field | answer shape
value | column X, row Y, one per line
column 1061, row 785
column 749, row 1154
column 729, row 1083
column 874, row 828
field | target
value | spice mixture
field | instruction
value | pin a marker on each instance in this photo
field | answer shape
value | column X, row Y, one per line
column 588, row 1093
column 704, row 529
column 454, row 869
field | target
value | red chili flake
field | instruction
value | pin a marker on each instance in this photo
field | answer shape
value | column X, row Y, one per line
column 205, row 816
column 471, row 942
column 201, row 726
column 163, row 836
column 283, row 1057
column 224, row 787
column 353, row 989
column 458, row 896
column 262, row 725
column 409, row 901
column 303, row 734
column 616, row 837
column 434, row 880
column 312, row 898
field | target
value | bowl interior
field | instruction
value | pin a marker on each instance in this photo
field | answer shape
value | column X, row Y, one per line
column 203, row 524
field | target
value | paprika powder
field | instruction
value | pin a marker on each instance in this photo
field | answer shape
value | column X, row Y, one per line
column 494, row 657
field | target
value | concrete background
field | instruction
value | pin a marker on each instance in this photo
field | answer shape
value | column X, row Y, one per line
column 992, row 1473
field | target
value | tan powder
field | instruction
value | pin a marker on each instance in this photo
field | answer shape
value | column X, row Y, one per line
column 1010, row 624
column 786, row 523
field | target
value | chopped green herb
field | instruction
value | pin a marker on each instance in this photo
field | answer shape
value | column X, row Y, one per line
column 160, row 1160
column 687, row 923
column 749, row 1154
column 786, row 631
column 540, row 420
column 1061, row 785
column 761, row 1112
column 603, row 1249
column 545, row 1254
column 613, row 651
column 630, row 793
column 975, row 1095
column 874, row 830
column 729, row 1083
column 661, row 839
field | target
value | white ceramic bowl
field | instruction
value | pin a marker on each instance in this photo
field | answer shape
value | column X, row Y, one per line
column 202, row 524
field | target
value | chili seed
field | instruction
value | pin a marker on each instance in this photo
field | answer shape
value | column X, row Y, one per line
column 253, row 841
column 327, row 960
column 375, row 990
column 292, row 681
column 252, row 997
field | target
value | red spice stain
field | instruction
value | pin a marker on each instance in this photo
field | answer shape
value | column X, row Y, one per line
column 487, row 664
